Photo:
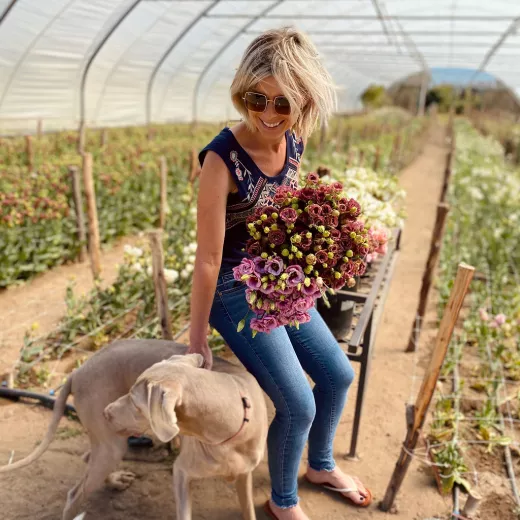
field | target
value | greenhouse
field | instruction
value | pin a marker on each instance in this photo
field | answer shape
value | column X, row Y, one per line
column 220, row 218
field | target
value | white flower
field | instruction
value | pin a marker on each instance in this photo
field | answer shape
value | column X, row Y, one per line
column 185, row 273
column 171, row 275
column 193, row 210
column 136, row 252
column 191, row 259
column 149, row 270
column 137, row 267
column 193, row 233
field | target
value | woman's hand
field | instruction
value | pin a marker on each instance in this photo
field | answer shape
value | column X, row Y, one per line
column 201, row 347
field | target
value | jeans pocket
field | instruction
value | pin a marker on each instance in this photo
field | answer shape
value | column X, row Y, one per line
column 230, row 287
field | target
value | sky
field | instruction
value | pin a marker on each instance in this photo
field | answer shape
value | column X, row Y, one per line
column 459, row 76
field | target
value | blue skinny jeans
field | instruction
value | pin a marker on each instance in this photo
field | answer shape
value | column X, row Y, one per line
column 278, row 361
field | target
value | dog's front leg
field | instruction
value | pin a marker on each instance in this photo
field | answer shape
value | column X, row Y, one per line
column 244, row 486
column 181, row 488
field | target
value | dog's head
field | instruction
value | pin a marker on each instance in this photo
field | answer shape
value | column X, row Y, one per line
column 151, row 402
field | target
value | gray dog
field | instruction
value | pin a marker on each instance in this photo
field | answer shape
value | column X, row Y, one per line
column 135, row 386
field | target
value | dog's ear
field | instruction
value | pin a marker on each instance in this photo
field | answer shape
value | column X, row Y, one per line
column 194, row 360
column 161, row 409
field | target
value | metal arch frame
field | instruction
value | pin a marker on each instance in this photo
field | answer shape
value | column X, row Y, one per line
column 380, row 15
column 496, row 46
column 211, row 62
column 361, row 17
column 28, row 50
column 6, row 11
column 118, row 62
column 165, row 55
column 93, row 57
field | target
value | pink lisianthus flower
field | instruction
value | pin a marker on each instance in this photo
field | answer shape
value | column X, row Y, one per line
column 296, row 275
column 265, row 324
column 274, row 266
column 500, row 319
column 302, row 317
column 254, row 282
column 288, row 215
column 260, row 264
column 269, row 288
column 247, row 266
column 483, row 314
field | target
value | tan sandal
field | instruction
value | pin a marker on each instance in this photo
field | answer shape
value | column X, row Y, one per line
column 366, row 502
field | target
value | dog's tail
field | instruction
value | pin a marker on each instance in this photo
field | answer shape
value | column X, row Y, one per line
column 59, row 408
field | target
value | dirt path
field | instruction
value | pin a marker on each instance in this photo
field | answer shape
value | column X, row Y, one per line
column 42, row 301
column 39, row 492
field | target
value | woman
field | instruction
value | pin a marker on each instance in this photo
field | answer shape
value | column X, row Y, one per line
column 282, row 90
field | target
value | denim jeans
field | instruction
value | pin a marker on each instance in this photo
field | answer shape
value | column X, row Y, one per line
column 278, row 360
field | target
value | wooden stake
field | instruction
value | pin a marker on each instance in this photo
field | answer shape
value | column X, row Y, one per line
column 447, row 176
column 194, row 166
column 361, row 159
column 78, row 206
column 433, row 255
column 417, row 416
column 104, row 137
column 159, row 281
column 163, row 169
column 29, row 152
column 93, row 226
column 377, row 159
column 81, row 137
column 39, row 129
column 471, row 505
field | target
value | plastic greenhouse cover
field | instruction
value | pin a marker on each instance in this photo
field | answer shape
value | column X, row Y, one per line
column 127, row 62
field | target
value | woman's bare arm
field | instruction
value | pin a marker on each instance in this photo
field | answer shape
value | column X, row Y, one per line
column 215, row 184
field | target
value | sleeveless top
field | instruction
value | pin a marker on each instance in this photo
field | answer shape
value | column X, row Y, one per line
column 254, row 188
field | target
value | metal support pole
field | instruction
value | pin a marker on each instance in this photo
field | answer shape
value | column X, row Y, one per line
column 360, row 397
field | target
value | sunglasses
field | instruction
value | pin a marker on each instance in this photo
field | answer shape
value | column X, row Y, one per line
column 258, row 103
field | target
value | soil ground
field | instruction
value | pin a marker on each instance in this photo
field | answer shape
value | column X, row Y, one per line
column 39, row 491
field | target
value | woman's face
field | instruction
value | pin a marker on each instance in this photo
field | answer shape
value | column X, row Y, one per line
column 269, row 123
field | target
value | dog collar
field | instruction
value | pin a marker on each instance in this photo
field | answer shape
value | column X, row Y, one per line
column 247, row 405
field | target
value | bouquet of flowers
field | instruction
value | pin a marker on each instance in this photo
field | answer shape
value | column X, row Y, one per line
column 308, row 241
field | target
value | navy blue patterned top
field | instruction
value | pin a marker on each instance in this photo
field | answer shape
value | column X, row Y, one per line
column 254, row 188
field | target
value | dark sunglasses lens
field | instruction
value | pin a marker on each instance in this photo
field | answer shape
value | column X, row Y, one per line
column 282, row 106
column 255, row 102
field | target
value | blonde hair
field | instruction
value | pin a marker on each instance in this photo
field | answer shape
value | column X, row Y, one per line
column 292, row 59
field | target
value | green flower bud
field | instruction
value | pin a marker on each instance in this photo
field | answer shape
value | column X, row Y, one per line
column 325, row 266
column 294, row 249
column 308, row 269
column 284, row 276
column 308, row 234
column 291, row 256
column 296, row 239
column 330, row 254
column 274, row 227
column 307, row 281
column 272, row 277
column 299, row 254
column 337, row 275
column 321, row 229
column 299, row 211
column 350, row 253
column 264, row 255
column 266, row 230
column 285, row 252
column 353, row 234
column 310, row 259
column 335, row 212
column 264, row 279
column 326, row 233
column 263, row 217
column 274, row 215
